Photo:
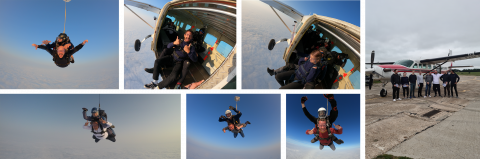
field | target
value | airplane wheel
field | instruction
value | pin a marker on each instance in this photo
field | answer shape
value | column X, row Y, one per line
column 383, row 93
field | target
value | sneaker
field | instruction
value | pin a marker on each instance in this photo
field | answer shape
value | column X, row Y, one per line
column 430, row 96
column 424, row 96
column 399, row 99
column 96, row 140
column 113, row 126
column 321, row 146
column 270, row 71
column 314, row 140
column 414, row 97
column 439, row 95
column 395, row 100
column 457, row 96
column 151, row 85
column 248, row 122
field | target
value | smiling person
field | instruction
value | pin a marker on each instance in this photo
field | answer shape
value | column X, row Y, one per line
column 306, row 73
column 99, row 130
column 182, row 53
column 60, row 56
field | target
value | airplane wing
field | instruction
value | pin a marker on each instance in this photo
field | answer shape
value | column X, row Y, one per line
column 380, row 63
column 451, row 58
column 144, row 6
column 291, row 12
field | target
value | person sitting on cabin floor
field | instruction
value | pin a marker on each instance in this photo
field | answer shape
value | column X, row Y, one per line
column 171, row 31
column 182, row 53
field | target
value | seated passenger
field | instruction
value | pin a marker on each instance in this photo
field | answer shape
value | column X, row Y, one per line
column 308, row 69
column 180, row 52
column 198, row 37
column 171, row 31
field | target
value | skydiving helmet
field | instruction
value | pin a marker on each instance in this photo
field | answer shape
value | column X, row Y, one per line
column 64, row 37
column 322, row 112
column 94, row 110
column 228, row 112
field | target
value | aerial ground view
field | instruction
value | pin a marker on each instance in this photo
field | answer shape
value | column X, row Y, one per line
column 421, row 97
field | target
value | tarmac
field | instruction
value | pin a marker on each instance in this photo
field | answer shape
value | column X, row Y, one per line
column 401, row 128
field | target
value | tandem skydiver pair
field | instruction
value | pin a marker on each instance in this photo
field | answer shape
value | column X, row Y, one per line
column 233, row 121
column 61, row 50
column 99, row 125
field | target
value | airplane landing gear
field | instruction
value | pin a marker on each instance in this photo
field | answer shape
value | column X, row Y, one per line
column 383, row 92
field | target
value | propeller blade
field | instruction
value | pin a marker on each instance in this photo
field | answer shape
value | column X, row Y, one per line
column 372, row 58
column 370, row 83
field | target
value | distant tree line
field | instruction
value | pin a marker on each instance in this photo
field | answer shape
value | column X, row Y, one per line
column 467, row 70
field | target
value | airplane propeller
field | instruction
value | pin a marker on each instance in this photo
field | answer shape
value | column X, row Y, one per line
column 370, row 83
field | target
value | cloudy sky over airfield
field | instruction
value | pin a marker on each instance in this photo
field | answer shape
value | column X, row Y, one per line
column 421, row 30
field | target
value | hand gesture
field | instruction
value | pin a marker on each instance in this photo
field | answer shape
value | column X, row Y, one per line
column 230, row 107
column 67, row 46
column 176, row 42
column 85, row 109
column 45, row 42
column 35, row 45
column 84, row 42
column 338, row 127
column 86, row 123
column 223, row 117
column 306, row 58
column 303, row 99
column 187, row 48
column 224, row 130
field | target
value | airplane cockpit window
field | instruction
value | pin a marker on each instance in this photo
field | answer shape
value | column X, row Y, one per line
column 406, row 63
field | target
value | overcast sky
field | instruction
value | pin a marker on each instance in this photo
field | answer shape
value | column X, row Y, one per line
column 421, row 29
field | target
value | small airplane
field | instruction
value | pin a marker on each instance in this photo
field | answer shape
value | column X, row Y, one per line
column 217, row 64
column 341, row 34
column 384, row 70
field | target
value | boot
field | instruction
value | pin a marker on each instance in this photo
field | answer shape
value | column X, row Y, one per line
column 270, row 71
column 247, row 122
column 149, row 70
column 315, row 140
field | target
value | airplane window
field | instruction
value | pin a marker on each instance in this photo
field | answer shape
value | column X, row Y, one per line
column 321, row 34
column 197, row 29
column 195, row 4
column 406, row 63
column 181, row 25
column 224, row 49
column 210, row 39
column 188, row 27
column 172, row 18
column 415, row 66
column 355, row 78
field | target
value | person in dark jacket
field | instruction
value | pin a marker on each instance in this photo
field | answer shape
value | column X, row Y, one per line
column 405, row 84
column 413, row 82
column 428, row 83
column 96, row 117
column 308, row 70
column 454, row 78
column 229, row 118
column 395, row 80
column 322, row 114
column 61, row 40
column 182, row 53
column 198, row 37
column 61, row 57
column 446, row 83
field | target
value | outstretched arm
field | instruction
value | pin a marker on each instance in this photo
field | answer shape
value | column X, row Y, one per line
column 222, row 118
column 86, row 126
column 305, row 111
column 334, row 112
column 46, row 49
column 78, row 47
column 85, row 115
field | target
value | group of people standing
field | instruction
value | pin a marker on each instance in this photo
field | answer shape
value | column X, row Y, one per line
column 408, row 84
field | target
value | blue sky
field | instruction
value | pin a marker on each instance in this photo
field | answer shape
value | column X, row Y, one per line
column 348, row 11
column 204, row 132
column 50, row 126
column 36, row 21
column 348, row 106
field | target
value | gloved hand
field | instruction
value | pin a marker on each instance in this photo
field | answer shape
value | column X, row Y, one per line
column 223, row 117
column 85, row 109
column 328, row 96
column 304, row 98
column 231, row 107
